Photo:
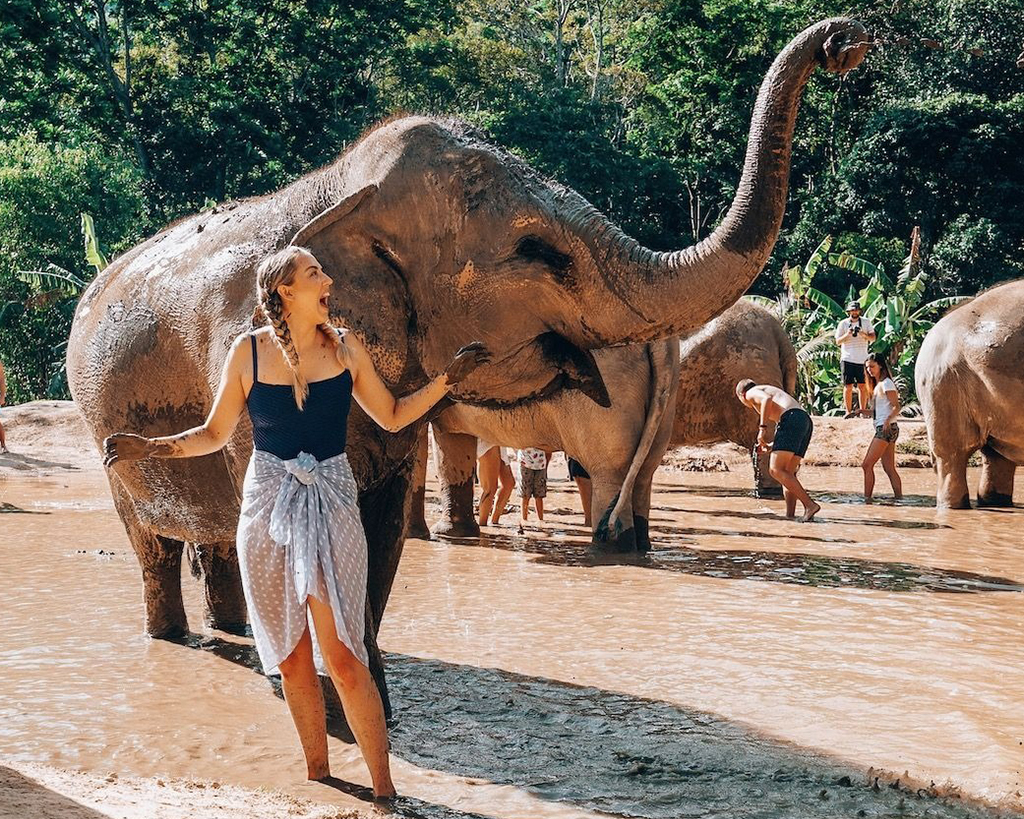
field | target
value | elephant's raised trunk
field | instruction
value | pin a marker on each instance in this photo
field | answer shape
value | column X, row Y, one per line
column 656, row 294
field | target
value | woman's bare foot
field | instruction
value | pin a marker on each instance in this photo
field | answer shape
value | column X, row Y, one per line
column 811, row 511
column 385, row 791
column 867, row 499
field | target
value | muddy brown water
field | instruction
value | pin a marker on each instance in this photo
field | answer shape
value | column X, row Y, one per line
column 748, row 667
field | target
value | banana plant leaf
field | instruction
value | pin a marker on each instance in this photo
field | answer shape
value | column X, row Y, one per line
column 825, row 301
column 53, row 277
column 93, row 254
column 938, row 304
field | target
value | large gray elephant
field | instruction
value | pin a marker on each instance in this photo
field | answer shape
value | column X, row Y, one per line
column 970, row 382
column 433, row 238
column 681, row 399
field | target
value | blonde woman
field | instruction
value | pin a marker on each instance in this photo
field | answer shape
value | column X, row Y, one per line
column 301, row 546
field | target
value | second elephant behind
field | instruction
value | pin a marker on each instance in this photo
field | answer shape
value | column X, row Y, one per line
column 657, row 400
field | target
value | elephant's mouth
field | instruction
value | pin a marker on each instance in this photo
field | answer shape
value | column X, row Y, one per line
column 539, row 368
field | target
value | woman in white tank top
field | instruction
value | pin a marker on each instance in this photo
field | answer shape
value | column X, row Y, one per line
column 885, row 409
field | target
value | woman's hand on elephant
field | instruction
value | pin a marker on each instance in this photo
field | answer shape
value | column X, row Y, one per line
column 466, row 360
column 124, row 446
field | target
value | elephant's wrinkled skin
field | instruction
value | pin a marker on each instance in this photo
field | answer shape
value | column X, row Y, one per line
column 746, row 341
column 970, row 382
column 433, row 238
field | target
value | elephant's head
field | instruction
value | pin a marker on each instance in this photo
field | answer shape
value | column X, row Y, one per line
column 441, row 239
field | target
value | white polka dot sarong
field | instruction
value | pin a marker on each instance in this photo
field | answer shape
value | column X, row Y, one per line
column 300, row 536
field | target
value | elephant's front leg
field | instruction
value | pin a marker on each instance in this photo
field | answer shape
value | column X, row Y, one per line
column 225, row 602
column 160, row 561
column 951, row 472
column 456, row 459
column 997, row 474
column 383, row 510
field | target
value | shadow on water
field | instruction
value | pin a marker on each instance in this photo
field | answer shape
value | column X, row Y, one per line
column 769, row 517
column 17, row 510
column 613, row 753
column 404, row 806
column 820, row 494
column 821, row 571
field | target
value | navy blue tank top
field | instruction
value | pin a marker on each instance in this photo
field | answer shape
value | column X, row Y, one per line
column 282, row 429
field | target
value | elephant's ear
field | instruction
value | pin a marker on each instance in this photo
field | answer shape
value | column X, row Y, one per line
column 369, row 294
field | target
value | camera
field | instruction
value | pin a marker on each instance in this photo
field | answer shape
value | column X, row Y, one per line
column 854, row 331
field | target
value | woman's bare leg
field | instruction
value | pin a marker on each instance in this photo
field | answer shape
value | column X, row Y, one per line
column 889, row 465
column 875, row 450
column 507, row 482
column 539, row 504
column 584, row 485
column 488, row 469
column 305, row 701
column 359, row 697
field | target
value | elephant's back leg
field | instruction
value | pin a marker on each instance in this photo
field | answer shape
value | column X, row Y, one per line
column 997, row 477
column 160, row 561
column 225, row 602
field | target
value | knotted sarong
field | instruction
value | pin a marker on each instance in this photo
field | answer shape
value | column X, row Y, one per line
column 300, row 536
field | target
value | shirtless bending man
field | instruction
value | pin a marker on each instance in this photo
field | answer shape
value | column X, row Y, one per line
column 793, row 428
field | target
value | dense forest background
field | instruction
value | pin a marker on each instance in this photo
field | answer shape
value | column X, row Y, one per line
column 139, row 111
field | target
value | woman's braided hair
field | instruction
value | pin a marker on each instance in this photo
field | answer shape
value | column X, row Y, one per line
column 273, row 271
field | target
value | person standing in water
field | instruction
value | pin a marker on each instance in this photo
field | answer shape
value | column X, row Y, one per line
column 583, row 484
column 496, row 481
column 533, row 482
column 793, row 429
column 886, row 410
column 301, row 546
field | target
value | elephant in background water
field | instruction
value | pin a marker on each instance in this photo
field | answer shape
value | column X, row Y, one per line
column 970, row 382
column 700, row 407
column 433, row 237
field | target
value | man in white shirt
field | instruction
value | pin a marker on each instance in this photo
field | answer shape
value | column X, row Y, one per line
column 853, row 335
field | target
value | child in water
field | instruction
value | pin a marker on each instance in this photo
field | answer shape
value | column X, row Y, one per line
column 533, row 481
column 886, row 401
column 793, row 429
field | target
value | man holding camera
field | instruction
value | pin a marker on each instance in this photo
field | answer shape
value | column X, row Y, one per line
column 853, row 335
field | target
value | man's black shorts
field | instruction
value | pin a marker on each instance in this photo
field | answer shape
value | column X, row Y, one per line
column 576, row 469
column 853, row 373
column 793, row 432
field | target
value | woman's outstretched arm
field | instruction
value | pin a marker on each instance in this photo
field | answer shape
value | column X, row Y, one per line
column 201, row 440
column 394, row 413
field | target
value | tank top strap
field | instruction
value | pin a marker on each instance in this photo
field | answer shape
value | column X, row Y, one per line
column 255, row 372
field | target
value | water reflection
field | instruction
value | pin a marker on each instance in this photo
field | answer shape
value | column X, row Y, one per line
column 778, row 567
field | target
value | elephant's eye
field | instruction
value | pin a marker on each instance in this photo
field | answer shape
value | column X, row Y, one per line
column 535, row 249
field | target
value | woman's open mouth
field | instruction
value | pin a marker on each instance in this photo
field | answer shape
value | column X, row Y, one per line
column 323, row 301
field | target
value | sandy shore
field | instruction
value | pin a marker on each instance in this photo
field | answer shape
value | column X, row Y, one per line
column 41, row 792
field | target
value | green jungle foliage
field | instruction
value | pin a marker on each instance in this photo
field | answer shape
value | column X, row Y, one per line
column 138, row 112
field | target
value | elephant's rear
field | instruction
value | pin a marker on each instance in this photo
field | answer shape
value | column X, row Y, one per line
column 746, row 341
column 144, row 354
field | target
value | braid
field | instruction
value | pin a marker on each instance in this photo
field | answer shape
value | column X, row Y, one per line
column 274, row 311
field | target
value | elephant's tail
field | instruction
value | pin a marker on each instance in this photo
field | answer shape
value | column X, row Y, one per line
column 664, row 361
